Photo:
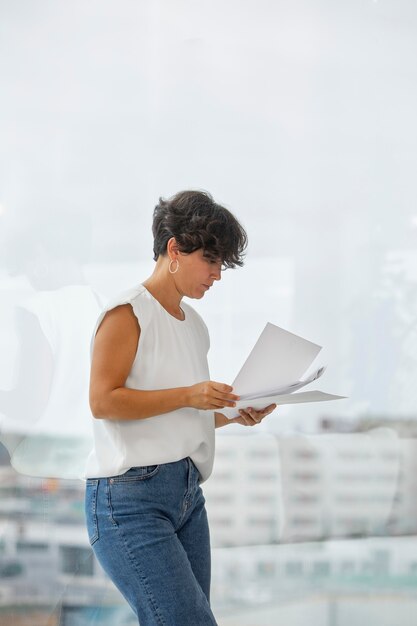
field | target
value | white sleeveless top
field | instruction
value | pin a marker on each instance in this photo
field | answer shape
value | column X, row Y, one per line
column 171, row 353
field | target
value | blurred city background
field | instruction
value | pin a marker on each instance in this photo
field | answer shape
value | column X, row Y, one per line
column 299, row 116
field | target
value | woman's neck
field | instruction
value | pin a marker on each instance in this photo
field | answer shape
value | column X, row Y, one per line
column 161, row 285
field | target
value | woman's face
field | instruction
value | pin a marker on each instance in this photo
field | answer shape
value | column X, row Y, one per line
column 196, row 273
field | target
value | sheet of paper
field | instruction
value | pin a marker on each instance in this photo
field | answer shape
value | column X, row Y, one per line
column 290, row 398
column 278, row 358
column 299, row 384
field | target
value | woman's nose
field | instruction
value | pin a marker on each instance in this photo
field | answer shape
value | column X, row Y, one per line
column 216, row 273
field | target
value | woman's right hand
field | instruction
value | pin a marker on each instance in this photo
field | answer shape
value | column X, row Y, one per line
column 211, row 395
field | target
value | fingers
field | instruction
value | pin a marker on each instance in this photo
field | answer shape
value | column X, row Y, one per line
column 221, row 387
column 211, row 395
column 252, row 417
column 219, row 395
column 247, row 419
column 218, row 403
column 225, row 391
column 224, row 395
column 268, row 409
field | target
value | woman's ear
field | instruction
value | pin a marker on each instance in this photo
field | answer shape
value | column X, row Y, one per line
column 172, row 248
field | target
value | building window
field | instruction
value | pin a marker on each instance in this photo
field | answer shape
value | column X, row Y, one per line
column 347, row 567
column 303, row 521
column 11, row 569
column 267, row 476
column 261, row 498
column 321, row 568
column 266, row 568
column 307, row 476
column 350, row 478
column 31, row 546
column 294, row 568
column 306, row 454
column 77, row 561
column 261, row 521
column 305, row 499
column 225, row 522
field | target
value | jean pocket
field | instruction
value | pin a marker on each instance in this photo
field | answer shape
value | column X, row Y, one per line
column 91, row 509
column 136, row 473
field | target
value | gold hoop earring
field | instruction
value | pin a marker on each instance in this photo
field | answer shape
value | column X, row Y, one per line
column 176, row 269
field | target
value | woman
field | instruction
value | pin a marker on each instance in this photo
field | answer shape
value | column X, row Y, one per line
column 156, row 411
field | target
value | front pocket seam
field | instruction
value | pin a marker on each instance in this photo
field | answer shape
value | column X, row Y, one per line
column 93, row 510
column 124, row 479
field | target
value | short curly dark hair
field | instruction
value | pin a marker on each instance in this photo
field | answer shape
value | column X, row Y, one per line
column 197, row 222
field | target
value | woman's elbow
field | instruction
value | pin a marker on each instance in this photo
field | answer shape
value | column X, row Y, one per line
column 104, row 403
column 97, row 406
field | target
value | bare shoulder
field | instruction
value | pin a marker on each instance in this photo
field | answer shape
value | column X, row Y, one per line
column 119, row 324
column 115, row 346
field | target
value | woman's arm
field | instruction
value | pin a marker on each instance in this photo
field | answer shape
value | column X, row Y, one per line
column 220, row 420
column 114, row 352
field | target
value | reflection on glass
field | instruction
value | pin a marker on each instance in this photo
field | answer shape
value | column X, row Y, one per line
column 46, row 422
column 313, row 515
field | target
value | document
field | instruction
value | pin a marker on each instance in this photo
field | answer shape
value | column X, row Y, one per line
column 274, row 370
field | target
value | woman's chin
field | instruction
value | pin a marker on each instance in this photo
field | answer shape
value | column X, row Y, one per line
column 198, row 292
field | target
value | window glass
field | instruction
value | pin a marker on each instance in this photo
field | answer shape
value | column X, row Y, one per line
column 300, row 118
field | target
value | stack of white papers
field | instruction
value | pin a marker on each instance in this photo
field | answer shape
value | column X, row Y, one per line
column 273, row 371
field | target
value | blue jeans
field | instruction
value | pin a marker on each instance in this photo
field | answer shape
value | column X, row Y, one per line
column 148, row 529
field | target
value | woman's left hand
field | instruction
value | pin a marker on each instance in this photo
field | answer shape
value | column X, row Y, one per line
column 251, row 417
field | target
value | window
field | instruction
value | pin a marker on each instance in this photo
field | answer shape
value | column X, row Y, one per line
column 294, row 568
column 303, row 521
column 77, row 561
column 269, row 476
column 306, row 454
column 266, row 568
column 31, row 546
column 321, row 568
column 307, row 476
column 261, row 521
column 305, row 498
